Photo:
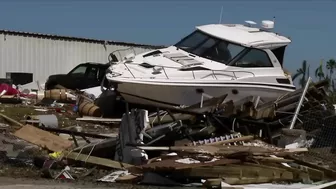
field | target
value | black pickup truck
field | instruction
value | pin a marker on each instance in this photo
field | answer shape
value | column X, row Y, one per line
column 85, row 75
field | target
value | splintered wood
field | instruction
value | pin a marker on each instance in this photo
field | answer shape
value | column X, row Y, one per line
column 95, row 160
column 172, row 164
column 234, row 165
column 43, row 138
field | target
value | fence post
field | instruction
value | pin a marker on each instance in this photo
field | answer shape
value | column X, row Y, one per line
column 298, row 107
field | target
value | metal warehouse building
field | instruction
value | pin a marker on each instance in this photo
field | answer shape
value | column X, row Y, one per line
column 43, row 55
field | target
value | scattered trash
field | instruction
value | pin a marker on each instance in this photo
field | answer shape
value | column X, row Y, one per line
column 64, row 174
column 114, row 176
column 45, row 120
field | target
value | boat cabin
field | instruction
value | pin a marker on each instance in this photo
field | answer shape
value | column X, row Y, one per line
column 237, row 45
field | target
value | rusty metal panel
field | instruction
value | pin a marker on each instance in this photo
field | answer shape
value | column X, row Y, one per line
column 45, row 56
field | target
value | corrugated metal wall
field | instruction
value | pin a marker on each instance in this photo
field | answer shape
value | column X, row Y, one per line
column 43, row 56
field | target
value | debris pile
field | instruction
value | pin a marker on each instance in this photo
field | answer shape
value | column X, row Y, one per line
column 215, row 143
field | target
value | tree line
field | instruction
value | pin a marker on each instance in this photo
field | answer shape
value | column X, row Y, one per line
column 321, row 73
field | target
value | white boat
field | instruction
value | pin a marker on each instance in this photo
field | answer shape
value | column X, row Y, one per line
column 215, row 59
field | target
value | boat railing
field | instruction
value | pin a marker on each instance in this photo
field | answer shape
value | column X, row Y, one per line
column 213, row 73
column 122, row 53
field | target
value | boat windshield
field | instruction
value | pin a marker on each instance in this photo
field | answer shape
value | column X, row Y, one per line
column 209, row 47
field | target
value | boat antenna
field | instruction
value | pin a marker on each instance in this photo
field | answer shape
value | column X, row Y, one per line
column 220, row 16
column 274, row 20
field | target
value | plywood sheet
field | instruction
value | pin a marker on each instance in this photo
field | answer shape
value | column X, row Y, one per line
column 43, row 138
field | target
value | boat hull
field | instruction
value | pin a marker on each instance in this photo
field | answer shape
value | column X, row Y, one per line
column 177, row 94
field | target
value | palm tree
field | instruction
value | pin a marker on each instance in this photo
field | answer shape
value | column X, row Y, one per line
column 303, row 72
column 319, row 71
column 331, row 65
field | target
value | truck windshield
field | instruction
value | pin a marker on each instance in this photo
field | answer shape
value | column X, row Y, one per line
column 79, row 70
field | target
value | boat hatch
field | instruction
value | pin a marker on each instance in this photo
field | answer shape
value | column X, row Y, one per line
column 183, row 59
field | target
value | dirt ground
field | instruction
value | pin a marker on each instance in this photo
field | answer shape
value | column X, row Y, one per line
column 12, row 183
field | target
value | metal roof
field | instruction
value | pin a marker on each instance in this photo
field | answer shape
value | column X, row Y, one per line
column 79, row 39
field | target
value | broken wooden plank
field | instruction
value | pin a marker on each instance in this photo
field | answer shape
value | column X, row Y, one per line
column 271, row 159
column 328, row 172
column 98, row 119
column 232, row 187
column 95, row 160
column 172, row 164
column 100, row 148
column 313, row 174
column 76, row 133
column 129, row 179
column 169, row 119
column 256, row 180
column 252, row 171
column 300, row 173
column 11, row 120
column 43, row 138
